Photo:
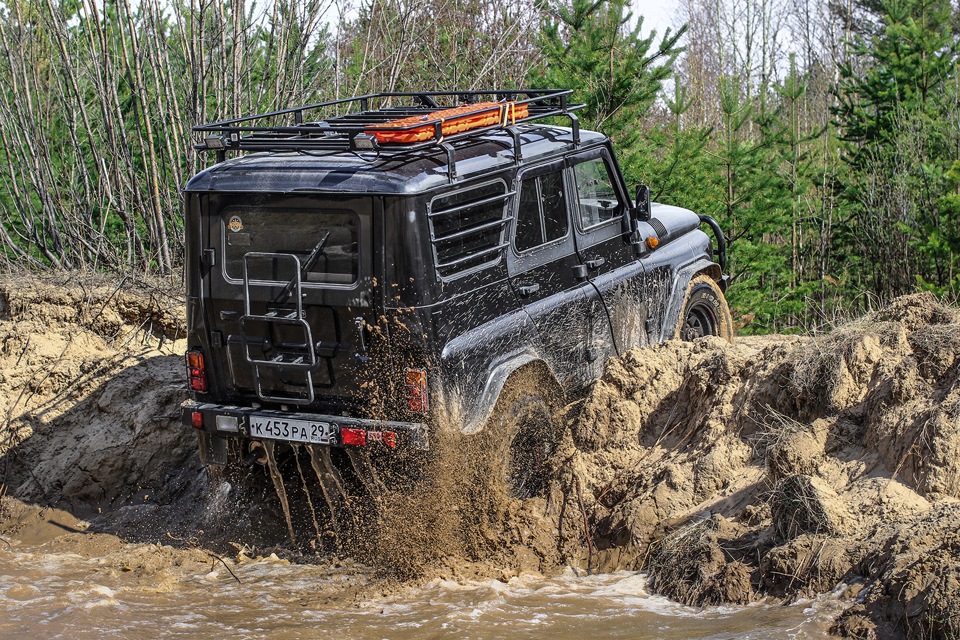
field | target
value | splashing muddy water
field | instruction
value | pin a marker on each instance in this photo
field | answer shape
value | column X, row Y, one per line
column 676, row 463
column 97, row 587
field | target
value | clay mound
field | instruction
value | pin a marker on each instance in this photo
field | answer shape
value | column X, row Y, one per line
column 689, row 565
column 92, row 379
column 818, row 452
column 804, row 504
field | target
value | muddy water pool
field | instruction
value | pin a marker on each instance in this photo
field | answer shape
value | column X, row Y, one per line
column 145, row 591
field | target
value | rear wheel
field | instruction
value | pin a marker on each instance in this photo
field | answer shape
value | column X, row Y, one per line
column 521, row 436
column 705, row 312
column 533, row 440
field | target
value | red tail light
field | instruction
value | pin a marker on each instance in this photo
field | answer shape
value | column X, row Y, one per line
column 197, row 420
column 416, row 384
column 353, row 437
column 196, row 372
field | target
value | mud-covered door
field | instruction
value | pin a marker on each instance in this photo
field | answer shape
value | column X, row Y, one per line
column 600, row 208
column 290, row 292
column 543, row 266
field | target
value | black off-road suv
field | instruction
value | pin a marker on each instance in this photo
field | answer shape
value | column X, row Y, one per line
column 356, row 282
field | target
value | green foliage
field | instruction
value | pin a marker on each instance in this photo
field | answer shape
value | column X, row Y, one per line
column 895, row 103
column 98, row 100
column 617, row 72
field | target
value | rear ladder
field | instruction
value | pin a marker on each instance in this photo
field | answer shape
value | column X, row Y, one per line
column 291, row 358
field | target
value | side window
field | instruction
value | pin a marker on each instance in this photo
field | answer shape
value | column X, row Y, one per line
column 542, row 214
column 595, row 193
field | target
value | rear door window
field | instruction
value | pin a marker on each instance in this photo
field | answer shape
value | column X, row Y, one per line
column 597, row 198
column 298, row 232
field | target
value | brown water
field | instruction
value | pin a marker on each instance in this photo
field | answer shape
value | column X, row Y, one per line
column 96, row 586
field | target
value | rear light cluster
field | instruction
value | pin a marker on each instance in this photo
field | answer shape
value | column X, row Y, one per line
column 416, row 386
column 196, row 372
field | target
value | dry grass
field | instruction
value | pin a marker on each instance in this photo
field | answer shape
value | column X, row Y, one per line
column 798, row 507
column 775, row 431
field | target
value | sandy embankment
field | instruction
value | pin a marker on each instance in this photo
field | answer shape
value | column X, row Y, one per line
column 784, row 466
column 777, row 467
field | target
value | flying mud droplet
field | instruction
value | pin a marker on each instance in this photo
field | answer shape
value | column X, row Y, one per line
column 367, row 474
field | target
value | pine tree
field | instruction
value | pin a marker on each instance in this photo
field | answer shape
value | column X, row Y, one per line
column 894, row 103
column 587, row 45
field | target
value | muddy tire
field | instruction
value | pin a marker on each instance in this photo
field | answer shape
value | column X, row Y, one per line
column 705, row 312
column 532, row 438
column 522, row 435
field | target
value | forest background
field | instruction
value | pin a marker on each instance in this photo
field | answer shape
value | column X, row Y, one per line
column 824, row 136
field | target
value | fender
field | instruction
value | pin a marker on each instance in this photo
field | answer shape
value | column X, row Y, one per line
column 496, row 379
column 476, row 364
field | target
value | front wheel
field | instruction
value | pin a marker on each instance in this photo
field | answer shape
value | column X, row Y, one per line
column 705, row 311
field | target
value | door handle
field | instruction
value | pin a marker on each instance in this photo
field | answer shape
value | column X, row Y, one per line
column 527, row 290
column 229, row 315
column 596, row 263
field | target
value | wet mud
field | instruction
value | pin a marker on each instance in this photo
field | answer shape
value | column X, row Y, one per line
column 773, row 470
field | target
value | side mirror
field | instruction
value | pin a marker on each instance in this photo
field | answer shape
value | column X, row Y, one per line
column 641, row 210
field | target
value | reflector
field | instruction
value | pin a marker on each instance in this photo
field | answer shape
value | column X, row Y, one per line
column 197, row 418
column 353, row 437
column 388, row 438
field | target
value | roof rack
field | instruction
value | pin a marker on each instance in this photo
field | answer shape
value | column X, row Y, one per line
column 431, row 119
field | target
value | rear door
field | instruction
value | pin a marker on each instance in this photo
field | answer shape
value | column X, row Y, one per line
column 543, row 266
column 291, row 292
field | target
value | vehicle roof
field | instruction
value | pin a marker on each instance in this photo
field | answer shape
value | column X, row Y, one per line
column 384, row 173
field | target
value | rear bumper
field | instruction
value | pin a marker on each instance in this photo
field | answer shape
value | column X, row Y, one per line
column 222, row 421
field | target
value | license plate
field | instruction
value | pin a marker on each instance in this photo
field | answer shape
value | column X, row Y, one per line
column 293, row 430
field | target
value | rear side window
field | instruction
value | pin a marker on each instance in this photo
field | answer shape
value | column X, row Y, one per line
column 542, row 214
column 299, row 232
column 466, row 228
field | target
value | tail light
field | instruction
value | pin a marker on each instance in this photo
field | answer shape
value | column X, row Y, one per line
column 416, row 386
column 196, row 372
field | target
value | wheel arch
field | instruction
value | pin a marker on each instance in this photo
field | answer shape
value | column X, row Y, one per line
column 678, row 292
column 522, row 370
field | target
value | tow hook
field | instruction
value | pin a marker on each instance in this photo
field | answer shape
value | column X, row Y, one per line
column 256, row 453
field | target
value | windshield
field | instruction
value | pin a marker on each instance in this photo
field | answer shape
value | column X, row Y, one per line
column 296, row 232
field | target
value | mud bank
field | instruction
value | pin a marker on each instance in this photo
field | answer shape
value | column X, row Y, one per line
column 784, row 466
column 775, row 468
column 91, row 377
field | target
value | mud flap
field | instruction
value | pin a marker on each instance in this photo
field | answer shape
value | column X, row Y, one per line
column 213, row 449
